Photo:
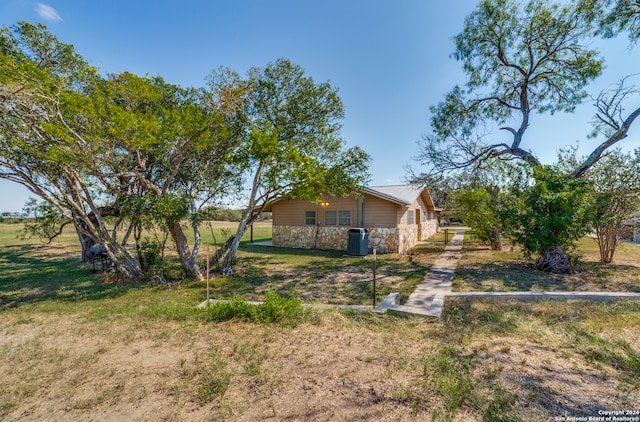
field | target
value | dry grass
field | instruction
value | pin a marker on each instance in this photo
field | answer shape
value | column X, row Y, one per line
column 75, row 348
column 481, row 269
column 482, row 361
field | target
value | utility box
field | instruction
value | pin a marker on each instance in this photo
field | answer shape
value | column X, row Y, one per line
column 358, row 242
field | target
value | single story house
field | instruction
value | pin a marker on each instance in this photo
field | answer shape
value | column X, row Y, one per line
column 396, row 218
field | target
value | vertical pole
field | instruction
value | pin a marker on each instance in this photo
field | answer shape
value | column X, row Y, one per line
column 207, row 269
column 375, row 261
column 446, row 236
column 251, row 227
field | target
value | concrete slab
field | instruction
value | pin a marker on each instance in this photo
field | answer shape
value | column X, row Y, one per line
column 438, row 281
column 541, row 296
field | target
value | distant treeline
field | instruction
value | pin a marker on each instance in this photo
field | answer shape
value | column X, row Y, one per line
column 223, row 214
column 209, row 213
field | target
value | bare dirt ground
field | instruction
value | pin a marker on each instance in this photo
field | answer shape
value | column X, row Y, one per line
column 74, row 367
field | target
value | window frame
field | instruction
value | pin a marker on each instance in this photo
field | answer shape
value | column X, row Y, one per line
column 411, row 217
column 331, row 221
column 307, row 217
column 341, row 219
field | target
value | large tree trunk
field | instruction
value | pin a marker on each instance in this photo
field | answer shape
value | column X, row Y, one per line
column 234, row 242
column 85, row 242
column 496, row 240
column 555, row 260
column 189, row 262
column 125, row 263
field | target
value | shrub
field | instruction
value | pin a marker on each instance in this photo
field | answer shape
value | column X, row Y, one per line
column 275, row 309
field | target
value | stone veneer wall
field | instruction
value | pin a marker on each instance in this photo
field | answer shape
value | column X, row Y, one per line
column 408, row 237
column 429, row 228
column 304, row 237
column 385, row 239
column 310, row 237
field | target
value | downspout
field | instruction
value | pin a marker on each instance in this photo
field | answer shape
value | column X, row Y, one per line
column 360, row 212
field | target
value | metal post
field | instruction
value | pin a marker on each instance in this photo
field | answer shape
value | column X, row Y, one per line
column 446, row 236
column 207, row 269
column 375, row 260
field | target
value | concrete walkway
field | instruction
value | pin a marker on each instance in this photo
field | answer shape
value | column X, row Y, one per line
column 428, row 298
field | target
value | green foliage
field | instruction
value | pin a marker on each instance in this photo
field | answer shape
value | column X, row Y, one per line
column 45, row 220
column 622, row 16
column 295, row 137
column 274, row 309
column 480, row 209
column 150, row 209
column 219, row 214
column 616, row 188
column 555, row 211
column 150, row 256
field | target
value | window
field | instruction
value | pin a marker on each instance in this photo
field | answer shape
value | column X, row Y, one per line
column 411, row 217
column 344, row 218
column 337, row 218
column 331, row 218
column 310, row 218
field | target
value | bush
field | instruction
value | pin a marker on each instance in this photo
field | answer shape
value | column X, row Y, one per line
column 274, row 309
column 551, row 216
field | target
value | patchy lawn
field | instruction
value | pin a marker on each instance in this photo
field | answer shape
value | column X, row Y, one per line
column 481, row 269
column 73, row 347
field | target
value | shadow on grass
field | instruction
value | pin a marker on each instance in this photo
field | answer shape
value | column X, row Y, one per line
column 26, row 277
column 324, row 275
column 520, row 276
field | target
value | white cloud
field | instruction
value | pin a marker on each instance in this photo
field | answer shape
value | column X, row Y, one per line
column 47, row 12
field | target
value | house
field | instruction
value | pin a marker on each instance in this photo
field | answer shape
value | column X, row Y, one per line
column 396, row 218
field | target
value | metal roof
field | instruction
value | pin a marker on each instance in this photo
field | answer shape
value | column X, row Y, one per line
column 404, row 194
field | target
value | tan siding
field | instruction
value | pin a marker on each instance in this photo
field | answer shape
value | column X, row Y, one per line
column 379, row 213
column 291, row 212
column 402, row 216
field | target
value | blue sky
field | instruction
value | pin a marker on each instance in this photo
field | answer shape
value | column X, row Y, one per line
column 389, row 59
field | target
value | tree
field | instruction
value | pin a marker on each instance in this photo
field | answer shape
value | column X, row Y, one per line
column 616, row 195
column 479, row 208
column 520, row 59
column 40, row 80
column 122, row 145
column 622, row 16
column 170, row 148
column 549, row 217
column 293, row 145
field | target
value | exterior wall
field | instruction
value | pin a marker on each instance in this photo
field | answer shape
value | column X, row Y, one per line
column 385, row 239
column 407, row 237
column 385, row 221
column 429, row 227
column 310, row 237
column 291, row 213
column 379, row 213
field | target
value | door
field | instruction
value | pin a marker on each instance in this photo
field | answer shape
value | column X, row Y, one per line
column 419, row 223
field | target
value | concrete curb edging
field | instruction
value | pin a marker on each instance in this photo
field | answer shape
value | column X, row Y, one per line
column 540, row 296
column 392, row 302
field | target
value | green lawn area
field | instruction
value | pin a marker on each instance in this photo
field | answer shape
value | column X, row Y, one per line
column 31, row 272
